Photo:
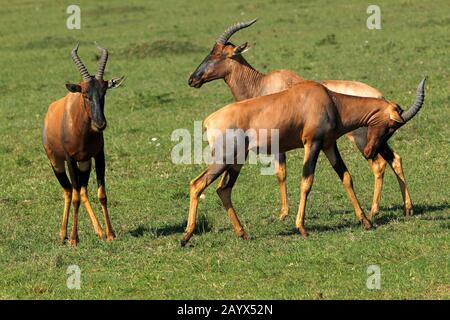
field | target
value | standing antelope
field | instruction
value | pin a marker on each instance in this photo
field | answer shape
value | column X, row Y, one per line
column 308, row 116
column 226, row 62
column 73, row 133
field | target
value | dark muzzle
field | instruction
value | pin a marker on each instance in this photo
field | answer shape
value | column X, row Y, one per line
column 98, row 125
column 195, row 81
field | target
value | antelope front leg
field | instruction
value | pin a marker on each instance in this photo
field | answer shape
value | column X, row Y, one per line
column 85, row 170
column 100, row 172
column 280, row 167
column 197, row 186
column 75, row 178
column 224, row 191
column 378, row 165
column 338, row 165
column 309, row 165
column 67, row 187
column 395, row 161
column 65, row 220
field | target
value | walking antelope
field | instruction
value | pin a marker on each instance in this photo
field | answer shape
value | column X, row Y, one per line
column 73, row 133
column 308, row 116
column 226, row 62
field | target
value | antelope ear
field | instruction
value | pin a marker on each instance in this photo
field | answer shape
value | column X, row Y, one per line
column 115, row 82
column 73, row 87
column 393, row 115
column 241, row 49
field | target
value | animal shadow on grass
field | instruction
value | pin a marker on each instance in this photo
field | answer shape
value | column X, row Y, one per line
column 321, row 228
column 313, row 228
column 389, row 214
column 386, row 216
column 202, row 226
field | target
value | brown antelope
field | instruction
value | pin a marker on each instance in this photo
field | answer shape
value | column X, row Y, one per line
column 226, row 62
column 308, row 116
column 73, row 133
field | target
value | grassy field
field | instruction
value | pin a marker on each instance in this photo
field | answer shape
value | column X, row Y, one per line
column 157, row 45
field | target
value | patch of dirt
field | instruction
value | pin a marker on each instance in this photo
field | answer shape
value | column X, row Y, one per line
column 160, row 48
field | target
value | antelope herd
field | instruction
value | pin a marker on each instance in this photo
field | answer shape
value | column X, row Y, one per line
column 306, row 114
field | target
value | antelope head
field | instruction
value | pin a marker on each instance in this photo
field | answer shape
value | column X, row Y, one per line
column 218, row 62
column 93, row 88
column 389, row 119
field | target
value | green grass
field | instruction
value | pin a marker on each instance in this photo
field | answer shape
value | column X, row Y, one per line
column 157, row 45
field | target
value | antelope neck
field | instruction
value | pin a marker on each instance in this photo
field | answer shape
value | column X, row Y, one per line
column 244, row 81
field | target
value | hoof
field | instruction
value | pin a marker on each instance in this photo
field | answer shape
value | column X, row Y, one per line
column 111, row 236
column 284, row 214
column 73, row 242
column 244, row 236
column 100, row 235
column 62, row 237
column 366, row 224
column 372, row 215
column 304, row 233
column 283, row 217
column 408, row 212
column 185, row 239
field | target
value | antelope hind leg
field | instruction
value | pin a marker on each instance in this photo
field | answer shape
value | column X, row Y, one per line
column 309, row 165
column 197, row 186
column 280, row 163
column 224, row 191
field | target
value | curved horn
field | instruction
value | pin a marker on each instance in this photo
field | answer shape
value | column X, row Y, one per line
column 420, row 97
column 81, row 67
column 101, row 62
column 233, row 29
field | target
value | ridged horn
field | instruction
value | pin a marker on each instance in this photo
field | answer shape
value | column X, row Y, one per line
column 81, row 67
column 233, row 29
column 101, row 62
column 420, row 97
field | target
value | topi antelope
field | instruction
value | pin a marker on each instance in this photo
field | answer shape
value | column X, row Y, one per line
column 73, row 133
column 308, row 116
column 226, row 62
